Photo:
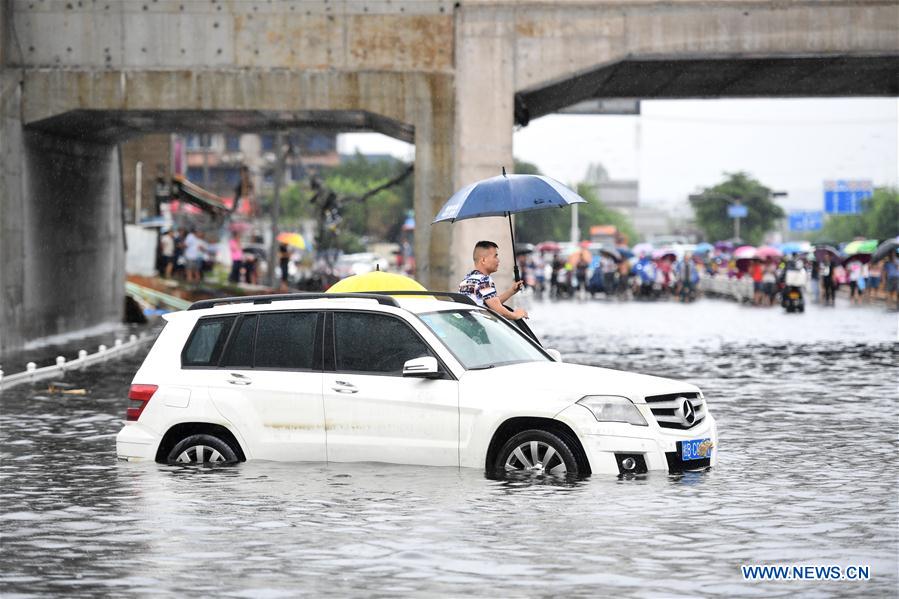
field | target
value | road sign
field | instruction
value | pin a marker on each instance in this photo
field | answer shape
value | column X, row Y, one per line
column 806, row 220
column 814, row 220
column 737, row 211
column 797, row 221
column 846, row 196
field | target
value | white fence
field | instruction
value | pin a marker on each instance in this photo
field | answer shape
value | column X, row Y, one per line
column 738, row 289
column 33, row 374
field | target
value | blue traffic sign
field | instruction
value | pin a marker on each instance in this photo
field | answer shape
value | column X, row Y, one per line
column 806, row 220
column 814, row 220
column 846, row 196
column 737, row 211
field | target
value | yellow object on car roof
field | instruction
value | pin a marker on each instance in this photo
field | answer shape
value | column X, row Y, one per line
column 376, row 282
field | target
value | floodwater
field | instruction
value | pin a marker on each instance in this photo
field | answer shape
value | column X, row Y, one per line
column 806, row 408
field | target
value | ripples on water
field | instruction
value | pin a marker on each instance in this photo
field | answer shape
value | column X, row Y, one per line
column 807, row 475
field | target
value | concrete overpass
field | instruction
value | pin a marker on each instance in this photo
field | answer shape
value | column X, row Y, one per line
column 454, row 77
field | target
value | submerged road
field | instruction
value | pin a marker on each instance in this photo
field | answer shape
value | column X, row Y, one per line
column 806, row 407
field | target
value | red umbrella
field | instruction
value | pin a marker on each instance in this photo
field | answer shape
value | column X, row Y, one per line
column 746, row 252
column 548, row 246
column 767, row 251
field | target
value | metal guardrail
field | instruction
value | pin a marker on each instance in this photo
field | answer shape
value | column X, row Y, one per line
column 175, row 303
column 738, row 289
column 33, row 374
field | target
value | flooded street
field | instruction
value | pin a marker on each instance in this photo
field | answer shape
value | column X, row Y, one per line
column 806, row 411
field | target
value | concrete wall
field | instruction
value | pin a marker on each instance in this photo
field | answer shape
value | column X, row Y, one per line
column 61, row 258
column 72, row 247
column 12, row 206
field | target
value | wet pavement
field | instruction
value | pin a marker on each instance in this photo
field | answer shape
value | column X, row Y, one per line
column 806, row 409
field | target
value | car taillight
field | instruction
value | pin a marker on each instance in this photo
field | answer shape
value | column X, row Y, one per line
column 140, row 396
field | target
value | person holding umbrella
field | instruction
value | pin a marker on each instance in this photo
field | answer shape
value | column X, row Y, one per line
column 479, row 285
column 506, row 195
column 826, row 273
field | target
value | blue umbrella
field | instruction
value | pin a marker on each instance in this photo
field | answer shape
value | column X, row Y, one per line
column 703, row 248
column 625, row 252
column 795, row 247
column 505, row 195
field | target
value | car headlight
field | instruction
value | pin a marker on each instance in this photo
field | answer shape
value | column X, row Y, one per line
column 612, row 408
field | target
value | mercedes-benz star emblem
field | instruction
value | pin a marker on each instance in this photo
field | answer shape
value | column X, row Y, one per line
column 688, row 414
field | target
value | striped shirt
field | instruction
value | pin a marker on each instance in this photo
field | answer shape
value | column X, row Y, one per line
column 478, row 286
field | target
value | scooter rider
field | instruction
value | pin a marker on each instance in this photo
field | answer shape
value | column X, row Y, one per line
column 795, row 279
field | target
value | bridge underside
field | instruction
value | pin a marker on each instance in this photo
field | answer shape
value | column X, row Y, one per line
column 721, row 77
column 119, row 125
column 453, row 76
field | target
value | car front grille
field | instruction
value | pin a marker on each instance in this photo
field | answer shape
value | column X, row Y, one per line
column 669, row 413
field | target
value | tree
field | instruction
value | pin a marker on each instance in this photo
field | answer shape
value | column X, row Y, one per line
column 361, row 198
column 879, row 219
column 710, row 208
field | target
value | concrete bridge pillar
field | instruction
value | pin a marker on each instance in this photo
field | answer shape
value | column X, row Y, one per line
column 434, row 157
column 61, row 258
column 485, row 90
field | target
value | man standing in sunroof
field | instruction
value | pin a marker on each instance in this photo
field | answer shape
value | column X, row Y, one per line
column 479, row 285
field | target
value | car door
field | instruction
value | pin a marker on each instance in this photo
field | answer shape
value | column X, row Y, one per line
column 269, row 385
column 372, row 412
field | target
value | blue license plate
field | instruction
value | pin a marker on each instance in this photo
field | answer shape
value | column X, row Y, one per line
column 696, row 449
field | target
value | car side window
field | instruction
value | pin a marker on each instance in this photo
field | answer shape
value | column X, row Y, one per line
column 239, row 353
column 205, row 344
column 286, row 340
column 375, row 343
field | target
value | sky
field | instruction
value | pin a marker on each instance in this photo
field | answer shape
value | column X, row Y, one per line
column 677, row 147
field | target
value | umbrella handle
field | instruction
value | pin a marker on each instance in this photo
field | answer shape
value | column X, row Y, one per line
column 512, row 233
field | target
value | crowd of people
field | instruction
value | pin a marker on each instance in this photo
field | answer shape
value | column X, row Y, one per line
column 586, row 274
column 189, row 254
column 678, row 273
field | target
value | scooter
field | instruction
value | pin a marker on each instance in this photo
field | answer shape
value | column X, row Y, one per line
column 792, row 300
column 791, row 296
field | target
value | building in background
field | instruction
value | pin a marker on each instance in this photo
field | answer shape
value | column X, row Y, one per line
column 213, row 161
column 623, row 195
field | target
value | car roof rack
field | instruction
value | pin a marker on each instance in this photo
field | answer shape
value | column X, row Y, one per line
column 382, row 297
column 286, row 297
column 459, row 298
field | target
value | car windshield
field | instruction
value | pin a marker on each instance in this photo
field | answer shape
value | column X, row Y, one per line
column 480, row 339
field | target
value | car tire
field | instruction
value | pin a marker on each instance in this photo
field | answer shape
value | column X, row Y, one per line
column 202, row 449
column 528, row 450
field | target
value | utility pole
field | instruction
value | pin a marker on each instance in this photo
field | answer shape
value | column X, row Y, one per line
column 138, row 180
column 276, row 209
column 738, row 204
column 206, row 141
column 575, row 234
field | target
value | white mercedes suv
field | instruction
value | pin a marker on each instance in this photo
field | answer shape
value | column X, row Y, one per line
column 406, row 378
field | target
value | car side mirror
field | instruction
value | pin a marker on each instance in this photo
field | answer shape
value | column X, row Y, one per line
column 425, row 367
column 554, row 354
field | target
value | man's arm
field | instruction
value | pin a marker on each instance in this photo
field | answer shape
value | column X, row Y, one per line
column 496, row 304
column 515, row 288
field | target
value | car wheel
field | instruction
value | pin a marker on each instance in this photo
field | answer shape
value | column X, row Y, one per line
column 201, row 449
column 536, row 451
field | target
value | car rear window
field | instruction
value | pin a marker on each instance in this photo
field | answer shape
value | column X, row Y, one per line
column 205, row 344
column 286, row 340
column 240, row 349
